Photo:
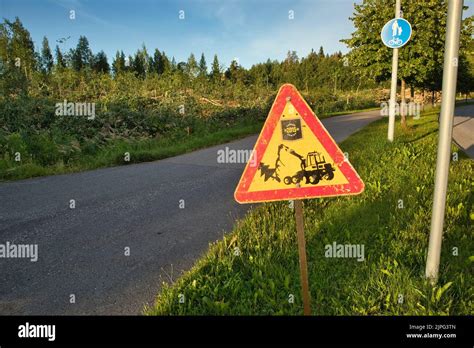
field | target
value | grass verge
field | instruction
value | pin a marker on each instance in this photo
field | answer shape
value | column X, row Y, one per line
column 139, row 150
column 339, row 113
column 390, row 219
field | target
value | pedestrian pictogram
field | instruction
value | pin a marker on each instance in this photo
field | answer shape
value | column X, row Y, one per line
column 396, row 33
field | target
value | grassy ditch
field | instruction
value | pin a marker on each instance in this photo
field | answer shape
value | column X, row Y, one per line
column 44, row 144
column 121, row 152
column 391, row 219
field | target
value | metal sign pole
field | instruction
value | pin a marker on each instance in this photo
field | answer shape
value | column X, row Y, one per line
column 450, row 72
column 302, row 254
column 393, row 88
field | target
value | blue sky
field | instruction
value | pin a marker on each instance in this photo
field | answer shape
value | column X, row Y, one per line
column 249, row 30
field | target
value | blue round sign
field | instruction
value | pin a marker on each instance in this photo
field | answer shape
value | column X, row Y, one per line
column 396, row 33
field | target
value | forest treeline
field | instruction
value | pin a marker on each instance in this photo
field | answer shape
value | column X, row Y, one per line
column 26, row 71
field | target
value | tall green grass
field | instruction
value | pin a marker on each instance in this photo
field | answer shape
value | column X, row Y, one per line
column 75, row 144
column 261, row 276
column 139, row 150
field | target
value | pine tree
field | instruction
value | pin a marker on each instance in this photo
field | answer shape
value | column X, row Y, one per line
column 161, row 63
column 128, row 63
column 173, row 64
column 202, row 66
column 138, row 64
column 17, row 58
column 165, row 63
column 234, row 72
column 145, row 58
column 215, row 69
column 60, row 61
column 20, row 50
column 192, row 69
column 289, row 68
column 156, row 62
column 118, row 65
column 321, row 52
column 100, row 63
column 46, row 60
column 81, row 56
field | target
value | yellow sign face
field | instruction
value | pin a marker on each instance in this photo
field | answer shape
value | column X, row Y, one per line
column 294, row 156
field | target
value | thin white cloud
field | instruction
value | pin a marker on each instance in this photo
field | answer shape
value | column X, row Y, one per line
column 81, row 11
column 230, row 14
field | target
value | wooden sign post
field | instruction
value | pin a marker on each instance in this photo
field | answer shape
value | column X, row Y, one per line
column 295, row 158
column 302, row 255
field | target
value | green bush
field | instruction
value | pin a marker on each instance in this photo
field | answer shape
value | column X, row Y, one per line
column 43, row 149
column 14, row 143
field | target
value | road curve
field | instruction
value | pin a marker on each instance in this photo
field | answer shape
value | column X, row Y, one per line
column 135, row 208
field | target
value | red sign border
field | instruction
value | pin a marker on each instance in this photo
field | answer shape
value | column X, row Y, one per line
column 354, row 186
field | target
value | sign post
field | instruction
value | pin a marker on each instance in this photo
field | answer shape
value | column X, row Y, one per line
column 302, row 255
column 295, row 158
column 448, row 97
column 393, row 85
column 395, row 34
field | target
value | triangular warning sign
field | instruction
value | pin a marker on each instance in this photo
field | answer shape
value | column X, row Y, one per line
column 295, row 157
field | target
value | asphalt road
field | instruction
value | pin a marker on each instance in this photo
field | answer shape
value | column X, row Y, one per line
column 463, row 128
column 81, row 251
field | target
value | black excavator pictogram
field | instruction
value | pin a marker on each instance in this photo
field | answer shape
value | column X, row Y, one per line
column 314, row 168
